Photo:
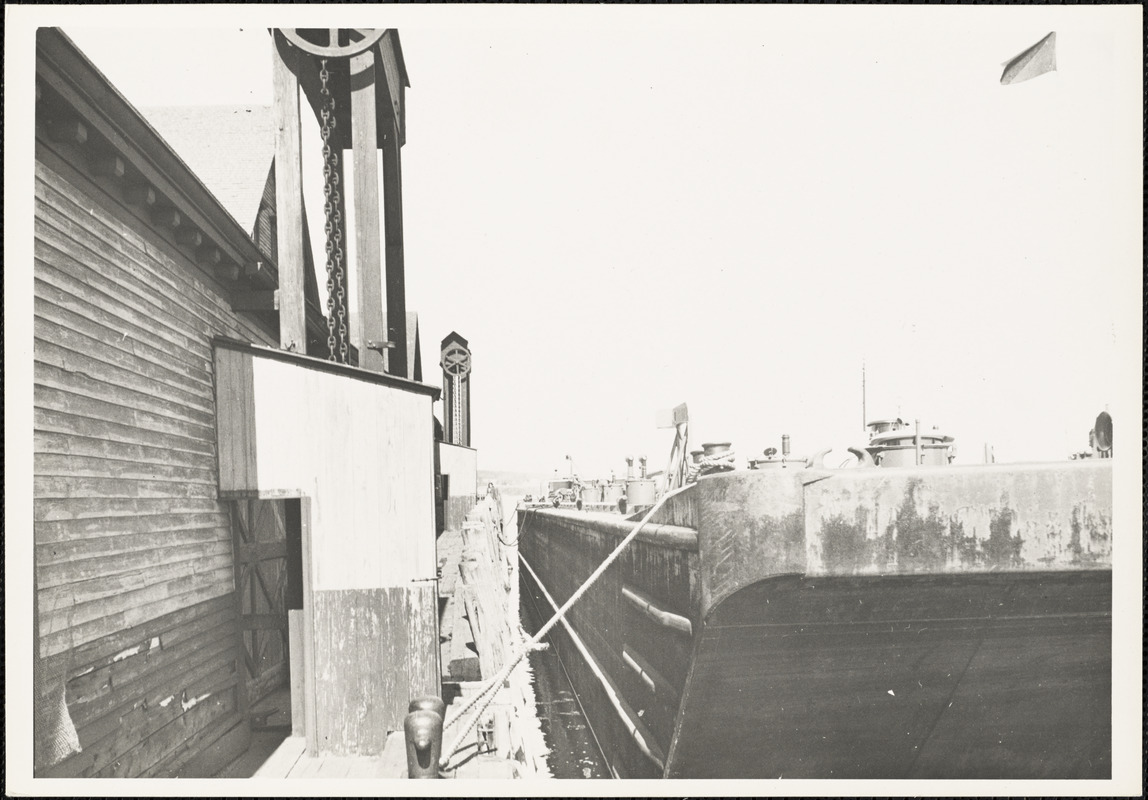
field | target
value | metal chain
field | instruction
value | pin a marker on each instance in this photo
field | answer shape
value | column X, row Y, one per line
column 332, row 201
column 328, row 170
column 340, row 292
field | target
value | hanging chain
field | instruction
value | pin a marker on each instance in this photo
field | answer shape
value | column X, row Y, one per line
column 336, row 294
column 325, row 130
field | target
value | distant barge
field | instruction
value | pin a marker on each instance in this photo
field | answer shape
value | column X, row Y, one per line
column 910, row 622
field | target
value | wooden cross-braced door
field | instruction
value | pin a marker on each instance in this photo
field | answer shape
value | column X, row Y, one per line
column 261, row 580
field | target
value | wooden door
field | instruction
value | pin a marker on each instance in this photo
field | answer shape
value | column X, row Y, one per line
column 261, row 580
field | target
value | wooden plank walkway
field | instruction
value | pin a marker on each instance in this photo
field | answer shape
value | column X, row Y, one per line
column 290, row 760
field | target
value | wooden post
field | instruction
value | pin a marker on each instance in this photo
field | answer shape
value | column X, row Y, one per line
column 396, row 281
column 310, row 714
column 368, row 263
column 289, row 197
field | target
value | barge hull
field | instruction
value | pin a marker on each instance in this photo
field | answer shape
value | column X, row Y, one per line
column 985, row 676
column 900, row 623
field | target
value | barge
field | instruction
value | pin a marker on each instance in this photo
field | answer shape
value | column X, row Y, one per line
column 918, row 621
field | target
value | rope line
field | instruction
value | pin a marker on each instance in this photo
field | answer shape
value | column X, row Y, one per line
column 518, row 537
column 724, row 461
column 503, row 673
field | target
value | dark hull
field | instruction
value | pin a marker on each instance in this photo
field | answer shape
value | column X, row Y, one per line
column 758, row 649
column 979, row 676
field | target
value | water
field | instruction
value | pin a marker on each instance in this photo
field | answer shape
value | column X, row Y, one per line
column 574, row 752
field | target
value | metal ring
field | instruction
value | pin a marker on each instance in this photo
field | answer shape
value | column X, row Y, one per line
column 333, row 48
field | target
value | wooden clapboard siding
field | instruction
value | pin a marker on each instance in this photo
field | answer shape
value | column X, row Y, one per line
column 164, row 661
column 132, row 535
column 147, row 277
column 84, row 426
column 135, row 564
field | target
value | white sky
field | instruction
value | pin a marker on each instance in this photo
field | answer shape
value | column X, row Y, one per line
column 623, row 210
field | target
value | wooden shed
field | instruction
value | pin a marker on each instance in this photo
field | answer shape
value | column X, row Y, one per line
column 192, row 482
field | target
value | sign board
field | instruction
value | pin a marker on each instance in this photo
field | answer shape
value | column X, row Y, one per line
column 671, row 418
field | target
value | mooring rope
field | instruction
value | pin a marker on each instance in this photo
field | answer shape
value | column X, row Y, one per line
column 507, row 668
column 520, row 531
column 724, row 460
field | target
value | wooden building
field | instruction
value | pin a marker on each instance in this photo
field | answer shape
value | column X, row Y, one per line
column 193, row 482
column 458, row 468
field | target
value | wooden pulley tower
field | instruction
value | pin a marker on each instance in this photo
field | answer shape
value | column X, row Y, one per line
column 354, row 80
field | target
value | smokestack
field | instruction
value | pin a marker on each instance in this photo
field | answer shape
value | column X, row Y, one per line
column 784, row 444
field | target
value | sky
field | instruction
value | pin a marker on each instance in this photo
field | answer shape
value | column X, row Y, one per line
column 737, row 208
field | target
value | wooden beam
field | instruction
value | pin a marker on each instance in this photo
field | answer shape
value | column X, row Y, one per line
column 140, row 194
column 393, row 85
column 189, row 236
column 227, row 272
column 393, row 229
column 263, row 551
column 68, row 130
column 310, row 714
column 209, row 256
column 167, row 217
column 372, row 332
column 254, row 269
column 108, row 165
column 295, row 655
column 289, row 197
column 258, row 300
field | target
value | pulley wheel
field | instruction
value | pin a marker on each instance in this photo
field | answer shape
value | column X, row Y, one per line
column 341, row 42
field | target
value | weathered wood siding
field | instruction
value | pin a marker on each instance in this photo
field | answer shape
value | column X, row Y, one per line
column 133, row 548
column 362, row 451
column 461, row 464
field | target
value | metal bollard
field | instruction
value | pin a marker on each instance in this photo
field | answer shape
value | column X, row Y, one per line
column 423, row 731
column 428, row 702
